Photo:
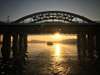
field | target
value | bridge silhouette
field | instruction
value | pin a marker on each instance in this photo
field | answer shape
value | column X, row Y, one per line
column 49, row 22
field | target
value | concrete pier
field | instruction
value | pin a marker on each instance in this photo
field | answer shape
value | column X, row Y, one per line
column 19, row 46
column 82, row 47
column 86, row 47
column 6, row 46
column 98, row 46
column 15, row 45
column 91, row 46
column 0, row 38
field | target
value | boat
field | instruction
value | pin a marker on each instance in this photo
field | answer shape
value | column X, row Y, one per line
column 49, row 43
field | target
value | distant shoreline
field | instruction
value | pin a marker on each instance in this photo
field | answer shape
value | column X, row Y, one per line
column 66, row 41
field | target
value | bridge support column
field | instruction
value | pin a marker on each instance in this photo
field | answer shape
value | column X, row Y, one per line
column 19, row 47
column 25, row 42
column 0, row 38
column 98, row 46
column 78, row 47
column 81, row 43
column 91, row 47
column 6, row 46
column 22, row 46
column 15, row 45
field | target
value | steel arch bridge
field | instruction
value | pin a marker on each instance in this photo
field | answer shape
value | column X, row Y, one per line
column 50, row 16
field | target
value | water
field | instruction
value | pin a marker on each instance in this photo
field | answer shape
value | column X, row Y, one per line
column 43, row 59
column 56, row 59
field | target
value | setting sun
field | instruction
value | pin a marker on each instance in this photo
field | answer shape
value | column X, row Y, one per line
column 57, row 36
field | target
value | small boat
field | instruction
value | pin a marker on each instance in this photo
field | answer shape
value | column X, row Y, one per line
column 49, row 43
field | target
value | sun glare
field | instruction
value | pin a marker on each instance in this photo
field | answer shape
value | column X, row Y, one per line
column 52, row 37
column 57, row 36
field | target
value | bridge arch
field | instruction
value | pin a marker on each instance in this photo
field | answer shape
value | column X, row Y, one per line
column 46, row 16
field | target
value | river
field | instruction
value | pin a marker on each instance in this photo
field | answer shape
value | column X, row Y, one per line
column 44, row 59
column 56, row 59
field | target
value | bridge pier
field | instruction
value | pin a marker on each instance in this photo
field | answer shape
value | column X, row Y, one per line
column 22, row 45
column 98, row 46
column 91, row 46
column 86, row 47
column 6, row 46
column 0, row 38
column 15, row 45
column 82, row 46
column 97, row 52
column 19, row 46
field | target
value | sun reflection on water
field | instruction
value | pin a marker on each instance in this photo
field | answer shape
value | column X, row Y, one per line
column 57, row 52
column 59, row 67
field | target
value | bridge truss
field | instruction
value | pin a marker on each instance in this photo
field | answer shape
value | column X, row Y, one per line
column 48, row 16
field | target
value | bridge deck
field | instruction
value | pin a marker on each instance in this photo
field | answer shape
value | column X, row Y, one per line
column 50, row 28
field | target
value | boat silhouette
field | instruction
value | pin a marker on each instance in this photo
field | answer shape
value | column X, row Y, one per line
column 49, row 43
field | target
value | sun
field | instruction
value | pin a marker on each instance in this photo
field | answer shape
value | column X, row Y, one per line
column 57, row 36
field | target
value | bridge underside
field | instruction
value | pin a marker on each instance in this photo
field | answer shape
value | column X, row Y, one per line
column 50, row 28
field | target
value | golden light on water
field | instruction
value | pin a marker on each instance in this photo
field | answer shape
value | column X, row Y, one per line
column 57, row 52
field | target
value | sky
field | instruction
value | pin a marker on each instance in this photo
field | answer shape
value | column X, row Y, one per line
column 19, row 8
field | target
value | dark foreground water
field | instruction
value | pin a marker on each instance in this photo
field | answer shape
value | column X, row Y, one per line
column 51, row 59
column 43, row 59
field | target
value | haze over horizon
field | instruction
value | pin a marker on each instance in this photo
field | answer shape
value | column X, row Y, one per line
column 53, row 37
column 19, row 8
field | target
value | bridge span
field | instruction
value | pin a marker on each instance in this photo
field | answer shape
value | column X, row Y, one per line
column 87, row 31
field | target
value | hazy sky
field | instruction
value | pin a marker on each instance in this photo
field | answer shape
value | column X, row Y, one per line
column 19, row 8
column 53, row 37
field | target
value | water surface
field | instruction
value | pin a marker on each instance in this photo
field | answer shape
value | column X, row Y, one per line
column 56, row 59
